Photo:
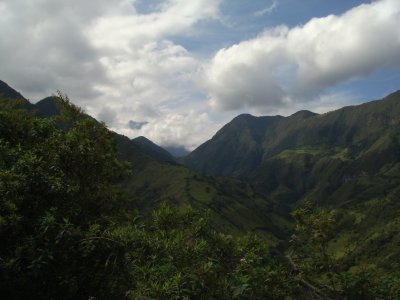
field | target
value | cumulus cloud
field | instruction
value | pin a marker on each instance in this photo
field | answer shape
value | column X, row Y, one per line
column 118, row 62
column 121, row 60
column 286, row 66
column 178, row 130
column 43, row 47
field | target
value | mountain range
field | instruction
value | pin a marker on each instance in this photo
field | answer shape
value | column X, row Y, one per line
column 234, row 206
column 256, row 170
column 346, row 160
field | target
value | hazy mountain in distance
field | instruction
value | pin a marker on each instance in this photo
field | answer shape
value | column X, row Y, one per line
column 177, row 151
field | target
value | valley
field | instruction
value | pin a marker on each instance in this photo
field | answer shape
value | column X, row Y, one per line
column 264, row 175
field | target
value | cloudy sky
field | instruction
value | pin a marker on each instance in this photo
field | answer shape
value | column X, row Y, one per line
column 175, row 71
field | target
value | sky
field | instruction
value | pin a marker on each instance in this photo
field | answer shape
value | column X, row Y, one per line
column 176, row 71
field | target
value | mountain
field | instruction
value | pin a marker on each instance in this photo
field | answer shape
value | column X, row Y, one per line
column 245, row 143
column 47, row 107
column 239, row 147
column 346, row 160
column 156, row 178
column 9, row 93
column 154, row 150
column 322, row 190
column 177, row 151
column 234, row 206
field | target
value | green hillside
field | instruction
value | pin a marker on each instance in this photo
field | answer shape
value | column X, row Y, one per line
column 239, row 147
column 234, row 206
column 157, row 178
column 346, row 160
column 247, row 141
column 154, row 150
column 87, row 214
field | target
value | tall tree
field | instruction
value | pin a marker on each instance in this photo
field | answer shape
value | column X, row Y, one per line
column 58, row 197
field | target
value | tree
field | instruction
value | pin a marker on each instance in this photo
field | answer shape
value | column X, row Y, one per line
column 66, row 232
column 178, row 255
column 59, row 196
column 321, row 273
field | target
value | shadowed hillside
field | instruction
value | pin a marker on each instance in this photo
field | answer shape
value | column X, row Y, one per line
column 347, row 160
column 156, row 178
column 86, row 212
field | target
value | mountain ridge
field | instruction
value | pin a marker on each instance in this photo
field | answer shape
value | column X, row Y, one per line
column 156, row 178
column 154, row 150
column 346, row 162
column 267, row 135
column 9, row 93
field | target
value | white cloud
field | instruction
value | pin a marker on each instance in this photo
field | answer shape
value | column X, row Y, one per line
column 123, row 62
column 116, row 62
column 267, row 10
column 178, row 130
column 283, row 66
column 125, row 31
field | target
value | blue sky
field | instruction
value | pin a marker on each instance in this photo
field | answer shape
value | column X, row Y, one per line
column 176, row 71
column 241, row 22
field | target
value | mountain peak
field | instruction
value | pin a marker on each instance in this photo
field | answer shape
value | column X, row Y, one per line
column 154, row 150
column 47, row 107
column 9, row 93
column 143, row 139
column 303, row 114
column 242, row 145
column 244, row 117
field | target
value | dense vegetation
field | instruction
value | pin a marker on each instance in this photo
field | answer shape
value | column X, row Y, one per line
column 84, row 214
column 347, row 160
column 66, row 231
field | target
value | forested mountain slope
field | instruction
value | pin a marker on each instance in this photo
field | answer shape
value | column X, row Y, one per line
column 77, row 217
column 156, row 178
column 347, row 160
column 247, row 141
column 154, row 150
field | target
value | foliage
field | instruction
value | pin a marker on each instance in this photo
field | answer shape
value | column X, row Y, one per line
column 67, row 230
column 324, row 274
column 58, row 190
column 348, row 159
column 66, row 233
column 180, row 256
